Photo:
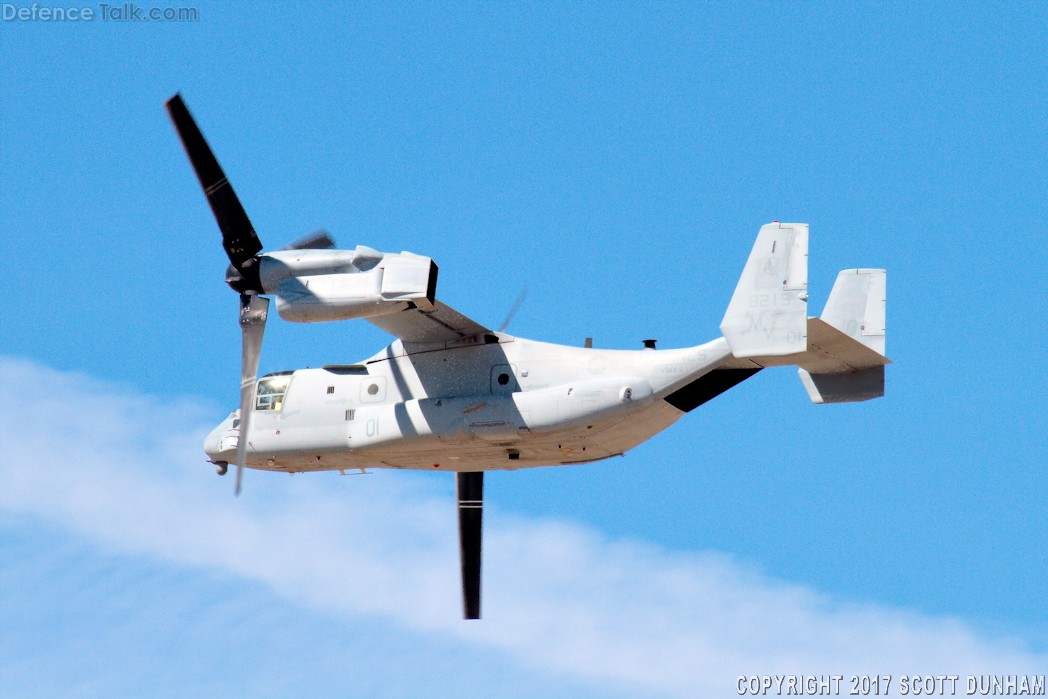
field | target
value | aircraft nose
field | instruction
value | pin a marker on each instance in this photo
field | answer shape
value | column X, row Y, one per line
column 221, row 443
column 212, row 442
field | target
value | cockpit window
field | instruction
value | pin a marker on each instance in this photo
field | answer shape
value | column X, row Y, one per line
column 271, row 392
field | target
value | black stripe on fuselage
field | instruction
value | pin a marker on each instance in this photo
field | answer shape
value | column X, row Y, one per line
column 707, row 387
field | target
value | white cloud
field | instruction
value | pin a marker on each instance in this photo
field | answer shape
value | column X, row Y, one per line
column 126, row 471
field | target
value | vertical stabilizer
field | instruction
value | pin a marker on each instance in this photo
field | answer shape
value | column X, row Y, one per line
column 856, row 306
column 845, row 361
column 768, row 314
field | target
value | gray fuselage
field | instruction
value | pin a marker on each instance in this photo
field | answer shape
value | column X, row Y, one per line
column 487, row 402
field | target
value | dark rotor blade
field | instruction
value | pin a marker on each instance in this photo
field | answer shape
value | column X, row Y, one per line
column 238, row 235
column 319, row 240
column 470, row 487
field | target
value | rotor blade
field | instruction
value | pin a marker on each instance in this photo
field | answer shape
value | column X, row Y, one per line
column 238, row 235
column 516, row 307
column 318, row 240
column 470, row 487
column 253, row 313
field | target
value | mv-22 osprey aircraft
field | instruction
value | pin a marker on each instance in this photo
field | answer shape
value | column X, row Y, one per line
column 451, row 394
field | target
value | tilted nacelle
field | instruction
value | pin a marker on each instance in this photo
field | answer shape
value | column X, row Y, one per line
column 319, row 285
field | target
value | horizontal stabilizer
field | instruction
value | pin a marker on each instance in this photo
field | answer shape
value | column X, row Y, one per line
column 831, row 351
column 767, row 315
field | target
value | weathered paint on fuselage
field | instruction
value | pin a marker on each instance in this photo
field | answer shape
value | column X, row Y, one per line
column 470, row 405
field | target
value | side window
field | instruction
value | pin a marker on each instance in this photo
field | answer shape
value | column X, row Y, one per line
column 503, row 379
column 373, row 389
column 271, row 392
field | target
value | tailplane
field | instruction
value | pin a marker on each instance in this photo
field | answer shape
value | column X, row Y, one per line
column 840, row 355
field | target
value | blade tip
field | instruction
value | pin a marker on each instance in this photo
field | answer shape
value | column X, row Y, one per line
column 174, row 100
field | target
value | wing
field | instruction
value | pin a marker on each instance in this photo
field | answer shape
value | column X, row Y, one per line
column 442, row 323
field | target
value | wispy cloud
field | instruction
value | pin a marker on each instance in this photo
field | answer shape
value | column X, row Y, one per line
column 125, row 470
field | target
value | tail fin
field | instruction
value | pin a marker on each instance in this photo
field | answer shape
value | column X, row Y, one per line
column 857, row 306
column 845, row 358
column 840, row 355
column 767, row 315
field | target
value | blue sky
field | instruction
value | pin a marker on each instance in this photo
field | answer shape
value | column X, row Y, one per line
column 617, row 160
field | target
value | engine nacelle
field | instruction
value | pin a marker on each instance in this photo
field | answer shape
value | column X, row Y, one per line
column 318, row 285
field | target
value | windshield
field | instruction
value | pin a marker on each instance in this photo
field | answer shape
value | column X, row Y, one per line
column 271, row 391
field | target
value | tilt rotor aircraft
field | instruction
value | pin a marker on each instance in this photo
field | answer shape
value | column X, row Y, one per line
column 450, row 394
